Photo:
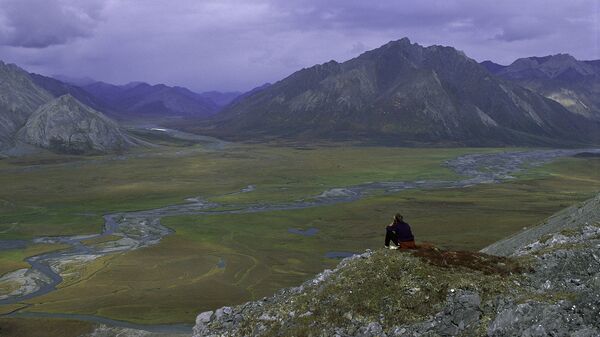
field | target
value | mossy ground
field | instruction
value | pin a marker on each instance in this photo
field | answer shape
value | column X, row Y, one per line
column 390, row 287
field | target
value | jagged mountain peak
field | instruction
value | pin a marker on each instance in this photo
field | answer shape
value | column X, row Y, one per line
column 403, row 42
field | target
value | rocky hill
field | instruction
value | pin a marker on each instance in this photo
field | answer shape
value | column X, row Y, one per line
column 403, row 93
column 548, row 285
column 573, row 83
column 66, row 125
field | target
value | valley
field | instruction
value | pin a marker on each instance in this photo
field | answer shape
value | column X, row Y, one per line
column 190, row 228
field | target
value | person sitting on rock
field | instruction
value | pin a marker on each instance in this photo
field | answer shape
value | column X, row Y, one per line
column 399, row 232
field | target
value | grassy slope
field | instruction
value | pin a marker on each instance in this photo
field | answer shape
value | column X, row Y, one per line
column 173, row 281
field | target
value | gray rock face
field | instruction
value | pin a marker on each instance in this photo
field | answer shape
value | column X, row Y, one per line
column 65, row 125
column 568, row 273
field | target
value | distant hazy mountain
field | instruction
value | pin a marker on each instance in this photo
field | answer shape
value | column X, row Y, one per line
column 30, row 114
column 138, row 99
column 574, row 84
column 221, row 99
column 403, row 93
column 66, row 125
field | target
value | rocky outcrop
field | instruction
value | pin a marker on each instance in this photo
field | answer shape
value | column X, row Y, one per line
column 65, row 125
column 564, row 285
column 549, row 286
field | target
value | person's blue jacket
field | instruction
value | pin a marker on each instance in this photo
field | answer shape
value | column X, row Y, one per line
column 402, row 230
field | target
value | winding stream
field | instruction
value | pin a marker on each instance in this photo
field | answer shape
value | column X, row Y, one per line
column 142, row 228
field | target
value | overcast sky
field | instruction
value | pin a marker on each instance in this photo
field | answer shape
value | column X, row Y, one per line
column 240, row 44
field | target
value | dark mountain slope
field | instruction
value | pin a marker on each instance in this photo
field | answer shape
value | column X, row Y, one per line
column 403, row 93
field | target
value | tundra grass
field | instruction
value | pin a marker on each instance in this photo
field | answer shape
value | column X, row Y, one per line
column 21, row 327
column 227, row 259
column 46, row 197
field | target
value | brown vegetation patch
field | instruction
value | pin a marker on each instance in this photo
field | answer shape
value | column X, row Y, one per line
column 488, row 264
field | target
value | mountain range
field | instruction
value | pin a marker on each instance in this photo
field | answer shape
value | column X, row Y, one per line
column 404, row 94
column 399, row 94
column 574, row 84
column 139, row 100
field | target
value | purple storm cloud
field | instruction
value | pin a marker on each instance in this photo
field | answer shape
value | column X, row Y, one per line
column 240, row 44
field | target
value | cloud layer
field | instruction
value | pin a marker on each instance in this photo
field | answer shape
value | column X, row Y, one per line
column 239, row 44
column 43, row 23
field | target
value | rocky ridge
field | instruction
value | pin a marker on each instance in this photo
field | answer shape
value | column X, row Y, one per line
column 549, row 285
